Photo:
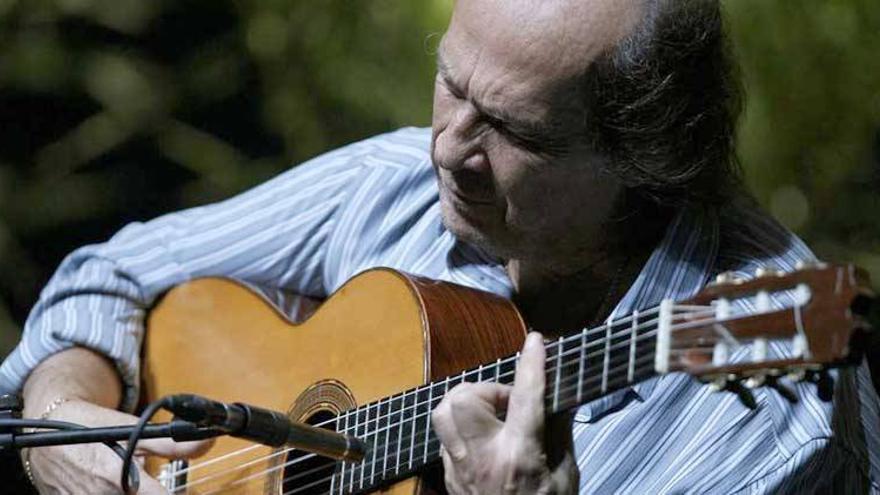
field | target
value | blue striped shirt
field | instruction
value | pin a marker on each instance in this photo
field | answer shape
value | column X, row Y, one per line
column 375, row 203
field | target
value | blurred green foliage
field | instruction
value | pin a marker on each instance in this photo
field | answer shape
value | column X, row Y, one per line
column 119, row 110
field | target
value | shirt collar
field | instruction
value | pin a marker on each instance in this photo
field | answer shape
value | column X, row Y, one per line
column 677, row 269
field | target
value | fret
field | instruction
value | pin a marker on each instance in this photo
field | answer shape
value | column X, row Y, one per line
column 607, row 362
column 572, row 366
column 412, row 422
column 385, row 427
column 428, row 417
column 557, row 375
column 631, row 369
column 357, row 433
column 366, row 458
column 401, row 407
column 342, row 467
column 581, row 364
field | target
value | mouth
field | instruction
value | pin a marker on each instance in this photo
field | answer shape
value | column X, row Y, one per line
column 468, row 199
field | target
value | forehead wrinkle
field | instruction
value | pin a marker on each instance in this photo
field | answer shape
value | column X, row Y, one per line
column 498, row 112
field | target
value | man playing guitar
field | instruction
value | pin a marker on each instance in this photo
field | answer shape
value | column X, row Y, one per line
column 580, row 162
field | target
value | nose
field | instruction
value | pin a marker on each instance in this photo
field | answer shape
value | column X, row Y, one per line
column 459, row 145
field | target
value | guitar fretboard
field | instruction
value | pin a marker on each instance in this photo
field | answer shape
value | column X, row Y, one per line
column 579, row 368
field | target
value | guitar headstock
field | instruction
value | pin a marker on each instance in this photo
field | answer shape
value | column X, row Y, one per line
column 722, row 334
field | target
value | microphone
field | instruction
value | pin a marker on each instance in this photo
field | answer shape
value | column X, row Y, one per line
column 266, row 427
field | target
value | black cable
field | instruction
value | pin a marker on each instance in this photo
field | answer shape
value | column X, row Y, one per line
column 65, row 425
column 46, row 424
column 178, row 430
column 136, row 433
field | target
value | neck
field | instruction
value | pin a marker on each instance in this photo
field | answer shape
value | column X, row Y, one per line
column 559, row 293
column 579, row 368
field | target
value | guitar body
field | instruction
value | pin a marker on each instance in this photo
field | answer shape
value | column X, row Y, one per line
column 381, row 333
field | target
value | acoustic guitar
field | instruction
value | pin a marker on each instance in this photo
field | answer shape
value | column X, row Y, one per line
column 381, row 352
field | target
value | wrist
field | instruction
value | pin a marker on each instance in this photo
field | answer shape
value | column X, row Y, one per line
column 25, row 453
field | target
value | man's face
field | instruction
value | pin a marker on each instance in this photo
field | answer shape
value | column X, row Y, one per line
column 515, row 173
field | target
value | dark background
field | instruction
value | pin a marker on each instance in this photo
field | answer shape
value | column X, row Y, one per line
column 119, row 110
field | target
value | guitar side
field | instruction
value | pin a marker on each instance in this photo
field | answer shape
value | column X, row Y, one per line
column 381, row 333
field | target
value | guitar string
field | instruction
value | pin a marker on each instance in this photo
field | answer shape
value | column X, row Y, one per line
column 578, row 336
column 433, row 440
column 386, row 455
column 414, row 418
column 568, row 339
column 467, row 373
column 376, row 459
column 362, row 466
column 553, row 345
column 377, row 420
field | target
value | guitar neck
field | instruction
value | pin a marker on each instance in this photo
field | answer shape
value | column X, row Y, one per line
column 579, row 368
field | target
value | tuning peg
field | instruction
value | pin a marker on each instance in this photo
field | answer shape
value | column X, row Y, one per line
column 718, row 383
column 730, row 383
column 755, row 381
column 764, row 271
column 804, row 265
column 824, row 385
column 744, row 394
column 784, row 390
column 725, row 278
column 797, row 375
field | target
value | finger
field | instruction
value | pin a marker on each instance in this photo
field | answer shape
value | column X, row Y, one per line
column 453, row 486
column 149, row 486
column 475, row 409
column 444, row 426
column 526, row 404
column 168, row 448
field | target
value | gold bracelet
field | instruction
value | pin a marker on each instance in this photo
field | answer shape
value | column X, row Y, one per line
column 25, row 453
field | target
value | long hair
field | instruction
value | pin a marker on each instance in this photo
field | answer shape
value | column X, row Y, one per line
column 662, row 105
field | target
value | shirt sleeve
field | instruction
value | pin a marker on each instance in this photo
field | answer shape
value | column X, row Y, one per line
column 273, row 235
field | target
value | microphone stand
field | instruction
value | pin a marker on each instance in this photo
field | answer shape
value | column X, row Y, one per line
column 202, row 418
column 71, row 433
column 65, row 433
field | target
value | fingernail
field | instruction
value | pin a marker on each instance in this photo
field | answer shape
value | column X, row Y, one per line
column 534, row 338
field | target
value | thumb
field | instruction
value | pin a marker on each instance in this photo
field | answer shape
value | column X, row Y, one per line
column 526, row 405
column 168, row 448
column 149, row 486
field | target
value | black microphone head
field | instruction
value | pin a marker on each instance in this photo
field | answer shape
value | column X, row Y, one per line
column 195, row 408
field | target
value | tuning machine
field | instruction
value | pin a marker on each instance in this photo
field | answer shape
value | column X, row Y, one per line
column 731, row 383
column 820, row 377
column 807, row 265
column 773, row 380
column 768, row 271
column 824, row 384
column 727, row 278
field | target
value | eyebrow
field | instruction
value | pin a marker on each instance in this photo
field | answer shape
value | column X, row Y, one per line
column 523, row 127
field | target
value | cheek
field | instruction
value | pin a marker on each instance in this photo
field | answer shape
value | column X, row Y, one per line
column 513, row 170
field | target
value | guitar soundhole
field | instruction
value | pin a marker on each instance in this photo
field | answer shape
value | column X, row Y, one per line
column 308, row 474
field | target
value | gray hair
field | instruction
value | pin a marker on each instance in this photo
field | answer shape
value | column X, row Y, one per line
column 662, row 105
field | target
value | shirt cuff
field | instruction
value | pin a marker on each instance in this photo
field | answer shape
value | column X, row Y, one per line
column 66, row 325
